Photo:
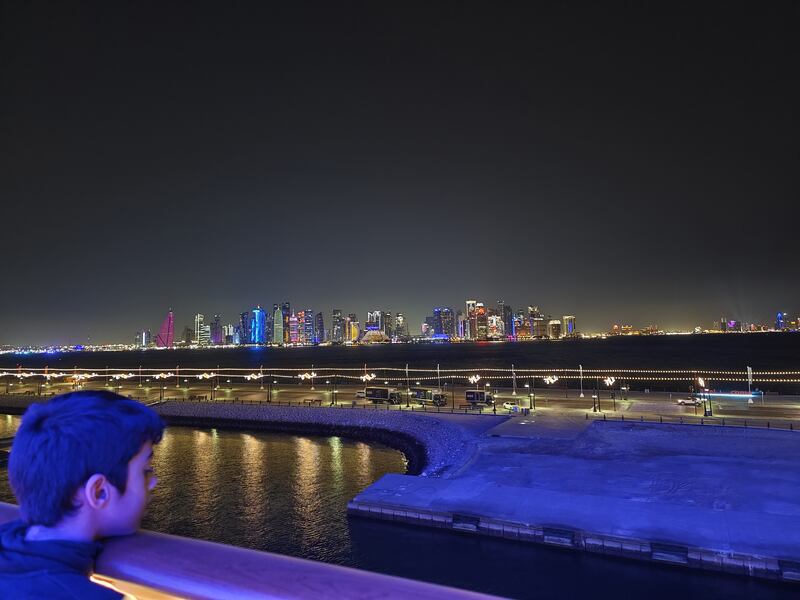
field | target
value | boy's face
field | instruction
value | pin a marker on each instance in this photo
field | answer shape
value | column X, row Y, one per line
column 127, row 509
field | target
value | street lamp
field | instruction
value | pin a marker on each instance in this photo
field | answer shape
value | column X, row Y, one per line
column 609, row 381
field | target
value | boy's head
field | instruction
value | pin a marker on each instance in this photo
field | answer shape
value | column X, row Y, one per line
column 89, row 453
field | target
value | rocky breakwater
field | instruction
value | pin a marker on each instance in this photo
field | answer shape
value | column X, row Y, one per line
column 435, row 445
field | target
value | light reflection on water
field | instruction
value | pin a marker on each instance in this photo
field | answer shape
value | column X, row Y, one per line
column 268, row 491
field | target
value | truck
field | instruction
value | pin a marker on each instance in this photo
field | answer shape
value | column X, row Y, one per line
column 479, row 397
column 383, row 394
column 428, row 396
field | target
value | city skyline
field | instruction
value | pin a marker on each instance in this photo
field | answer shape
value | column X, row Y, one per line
column 214, row 328
column 589, row 160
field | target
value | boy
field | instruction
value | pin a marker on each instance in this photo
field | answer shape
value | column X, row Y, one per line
column 80, row 469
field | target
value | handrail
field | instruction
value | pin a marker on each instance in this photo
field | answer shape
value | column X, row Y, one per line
column 198, row 569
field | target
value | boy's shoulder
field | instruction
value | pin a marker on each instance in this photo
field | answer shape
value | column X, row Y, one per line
column 47, row 569
column 55, row 586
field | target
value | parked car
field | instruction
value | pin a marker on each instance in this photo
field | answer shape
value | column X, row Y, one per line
column 361, row 394
column 689, row 401
column 511, row 406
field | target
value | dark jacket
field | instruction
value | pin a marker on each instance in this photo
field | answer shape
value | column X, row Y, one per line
column 47, row 569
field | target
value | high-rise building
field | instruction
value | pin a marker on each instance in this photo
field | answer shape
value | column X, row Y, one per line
column 301, row 326
column 780, row 321
column 244, row 327
column 198, row 324
column 401, row 326
column 443, row 321
column 319, row 329
column 472, row 325
column 495, row 327
column 257, row 326
column 143, row 338
column 388, row 324
column 217, row 337
column 568, row 326
column 287, row 312
column 507, row 314
column 229, row 331
column 337, row 327
column 351, row 328
column 269, row 325
column 461, row 325
column 481, row 324
column 166, row 335
column 277, row 326
column 308, row 326
column 554, row 329
column 204, row 338
column 294, row 333
column 374, row 320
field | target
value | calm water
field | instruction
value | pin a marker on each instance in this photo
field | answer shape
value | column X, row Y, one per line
column 762, row 352
column 288, row 494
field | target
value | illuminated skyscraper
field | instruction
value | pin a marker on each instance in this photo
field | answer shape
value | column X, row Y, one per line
column 780, row 321
column 401, row 326
column 443, row 322
column 495, row 327
column 472, row 325
column 166, row 335
column 351, row 328
column 198, row 325
column 308, row 327
column 301, row 326
column 217, row 336
column 554, row 329
column 568, row 325
column 205, row 335
column 481, row 324
column 375, row 320
column 505, row 312
column 319, row 328
column 294, row 334
column 244, row 328
column 277, row 326
column 337, row 327
column 286, row 310
column 258, row 325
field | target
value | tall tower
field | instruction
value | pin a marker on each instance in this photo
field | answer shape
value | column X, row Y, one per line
column 471, row 322
column 166, row 335
column 198, row 326
column 277, row 326
column 258, row 325
column 287, row 313
column 319, row 328
column 337, row 327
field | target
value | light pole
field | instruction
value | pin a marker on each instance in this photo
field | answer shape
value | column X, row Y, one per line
column 609, row 381
column 580, row 369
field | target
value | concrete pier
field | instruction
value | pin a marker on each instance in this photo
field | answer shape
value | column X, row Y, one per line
column 722, row 498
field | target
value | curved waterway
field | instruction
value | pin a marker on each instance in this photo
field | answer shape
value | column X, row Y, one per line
column 288, row 494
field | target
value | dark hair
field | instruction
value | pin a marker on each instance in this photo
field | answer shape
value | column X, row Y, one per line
column 63, row 442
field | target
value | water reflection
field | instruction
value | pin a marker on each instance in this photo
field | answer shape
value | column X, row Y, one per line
column 267, row 491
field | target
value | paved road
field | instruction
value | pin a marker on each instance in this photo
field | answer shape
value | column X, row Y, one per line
column 634, row 404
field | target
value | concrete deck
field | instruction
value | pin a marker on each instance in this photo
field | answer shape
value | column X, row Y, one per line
column 722, row 498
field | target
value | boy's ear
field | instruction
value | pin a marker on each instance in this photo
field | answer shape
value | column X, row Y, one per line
column 96, row 491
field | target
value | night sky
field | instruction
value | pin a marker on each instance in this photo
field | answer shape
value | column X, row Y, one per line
column 612, row 161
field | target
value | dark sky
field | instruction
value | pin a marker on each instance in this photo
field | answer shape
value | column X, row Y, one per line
column 612, row 161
